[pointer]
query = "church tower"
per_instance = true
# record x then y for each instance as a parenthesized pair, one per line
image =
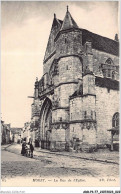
(68, 43)
(69, 110)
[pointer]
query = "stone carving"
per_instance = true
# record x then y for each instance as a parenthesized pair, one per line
(65, 125)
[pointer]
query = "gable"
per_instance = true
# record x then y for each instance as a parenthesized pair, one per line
(56, 25)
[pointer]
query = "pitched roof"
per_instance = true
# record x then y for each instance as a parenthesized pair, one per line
(101, 82)
(107, 83)
(56, 22)
(68, 22)
(56, 25)
(98, 42)
(101, 43)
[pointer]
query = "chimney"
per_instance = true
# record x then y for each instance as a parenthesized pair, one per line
(116, 37)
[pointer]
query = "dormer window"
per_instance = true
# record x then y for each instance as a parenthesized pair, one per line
(108, 68)
(109, 61)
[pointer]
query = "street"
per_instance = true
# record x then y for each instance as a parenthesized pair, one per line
(45, 164)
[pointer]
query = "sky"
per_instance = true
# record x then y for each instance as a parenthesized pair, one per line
(25, 28)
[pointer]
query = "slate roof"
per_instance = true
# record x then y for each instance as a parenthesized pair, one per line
(107, 83)
(98, 42)
(76, 93)
(101, 43)
(68, 22)
(56, 22)
(101, 82)
(60, 21)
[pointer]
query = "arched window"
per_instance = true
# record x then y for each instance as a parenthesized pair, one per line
(108, 72)
(115, 120)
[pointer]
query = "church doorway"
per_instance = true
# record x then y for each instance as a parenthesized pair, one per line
(45, 123)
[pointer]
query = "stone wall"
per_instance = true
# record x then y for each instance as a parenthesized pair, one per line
(89, 106)
(107, 104)
(76, 131)
(76, 109)
(69, 43)
(70, 69)
(47, 64)
(100, 57)
(82, 122)
(89, 84)
(60, 115)
(66, 90)
(89, 138)
(58, 134)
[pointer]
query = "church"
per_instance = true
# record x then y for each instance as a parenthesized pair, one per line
(76, 101)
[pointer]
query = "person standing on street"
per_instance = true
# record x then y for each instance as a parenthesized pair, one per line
(23, 151)
(31, 149)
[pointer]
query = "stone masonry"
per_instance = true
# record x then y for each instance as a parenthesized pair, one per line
(76, 98)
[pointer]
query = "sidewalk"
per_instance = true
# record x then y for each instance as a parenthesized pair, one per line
(100, 156)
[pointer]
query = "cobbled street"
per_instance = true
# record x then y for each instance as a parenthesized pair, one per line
(46, 164)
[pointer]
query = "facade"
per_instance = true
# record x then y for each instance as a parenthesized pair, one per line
(77, 97)
(16, 134)
(5, 133)
(26, 132)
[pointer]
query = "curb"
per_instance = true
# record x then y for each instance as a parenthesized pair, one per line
(61, 154)
(84, 158)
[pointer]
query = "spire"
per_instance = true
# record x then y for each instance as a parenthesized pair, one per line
(56, 22)
(68, 21)
(54, 15)
(67, 8)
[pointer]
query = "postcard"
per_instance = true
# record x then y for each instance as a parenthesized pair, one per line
(60, 94)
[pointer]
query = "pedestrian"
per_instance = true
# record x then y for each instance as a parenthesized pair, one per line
(23, 151)
(31, 149)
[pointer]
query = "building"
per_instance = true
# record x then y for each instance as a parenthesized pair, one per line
(26, 132)
(16, 134)
(76, 101)
(5, 133)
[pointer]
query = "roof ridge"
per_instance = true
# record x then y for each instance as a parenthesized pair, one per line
(97, 34)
